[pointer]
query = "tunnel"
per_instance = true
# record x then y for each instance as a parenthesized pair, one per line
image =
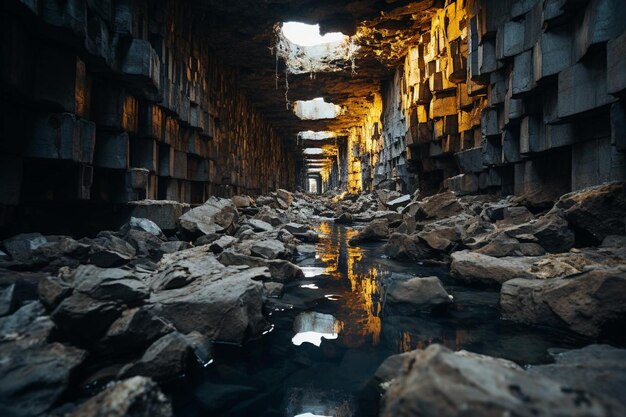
(309, 208)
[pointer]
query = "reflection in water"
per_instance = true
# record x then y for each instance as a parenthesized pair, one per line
(312, 271)
(311, 327)
(308, 402)
(362, 307)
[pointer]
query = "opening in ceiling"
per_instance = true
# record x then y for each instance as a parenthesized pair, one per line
(304, 50)
(316, 109)
(311, 135)
(313, 151)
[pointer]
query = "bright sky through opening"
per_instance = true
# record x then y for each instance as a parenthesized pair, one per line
(309, 35)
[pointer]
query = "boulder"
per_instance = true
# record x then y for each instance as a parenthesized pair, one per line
(599, 369)
(269, 249)
(272, 289)
(21, 247)
(53, 290)
(145, 225)
(146, 244)
(33, 378)
(476, 268)
(280, 270)
(296, 228)
(405, 247)
(416, 294)
(376, 230)
(344, 218)
(137, 397)
(284, 196)
(181, 268)
(221, 244)
(399, 202)
(596, 212)
(260, 226)
(585, 303)
(83, 318)
(439, 383)
(164, 213)
(440, 206)
(216, 215)
(108, 250)
(441, 239)
(242, 201)
(112, 284)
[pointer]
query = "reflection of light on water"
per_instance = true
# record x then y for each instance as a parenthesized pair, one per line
(312, 327)
(312, 271)
(314, 338)
(310, 415)
(310, 286)
(332, 297)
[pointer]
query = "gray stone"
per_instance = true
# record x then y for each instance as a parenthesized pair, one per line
(269, 249)
(405, 247)
(418, 293)
(164, 360)
(222, 244)
(376, 230)
(84, 318)
(214, 216)
(471, 267)
(146, 225)
(111, 284)
(260, 226)
(21, 247)
(163, 213)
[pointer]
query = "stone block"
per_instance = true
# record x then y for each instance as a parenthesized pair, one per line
(552, 53)
(522, 80)
(603, 20)
(596, 161)
(510, 39)
(511, 145)
(151, 121)
(114, 107)
(464, 184)
(470, 160)
(616, 65)
(492, 151)
(141, 64)
(112, 150)
(166, 161)
(489, 122)
(144, 153)
(618, 126)
(443, 106)
(62, 136)
(180, 165)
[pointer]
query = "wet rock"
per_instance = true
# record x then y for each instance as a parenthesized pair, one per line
(33, 378)
(439, 382)
(221, 244)
(163, 213)
(272, 289)
(165, 359)
(260, 226)
(21, 247)
(399, 202)
(441, 239)
(284, 271)
(599, 369)
(269, 249)
(144, 225)
(135, 328)
(84, 318)
(308, 237)
(136, 397)
(584, 303)
(375, 231)
(111, 284)
(108, 250)
(416, 294)
(345, 218)
(405, 247)
(596, 212)
(214, 216)
(476, 268)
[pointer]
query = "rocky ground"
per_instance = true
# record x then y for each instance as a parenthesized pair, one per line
(128, 310)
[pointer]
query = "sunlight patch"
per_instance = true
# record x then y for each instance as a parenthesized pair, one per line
(311, 135)
(316, 109)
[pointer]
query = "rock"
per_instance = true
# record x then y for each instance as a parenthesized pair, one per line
(284, 271)
(84, 318)
(614, 241)
(438, 382)
(269, 249)
(514, 215)
(174, 246)
(109, 251)
(137, 397)
(344, 218)
(241, 201)
(399, 202)
(552, 233)
(212, 237)
(33, 378)
(230, 257)
(4, 257)
(146, 244)
(222, 244)
(112, 284)
(599, 369)
(296, 228)
(164, 360)
(163, 213)
(375, 231)
(475, 268)
(503, 245)
(21, 247)
(260, 226)
(441, 239)
(216, 215)
(596, 212)
(53, 290)
(272, 290)
(440, 206)
(28, 325)
(181, 268)
(285, 196)
(416, 294)
(145, 225)
(405, 247)
(136, 328)
(584, 303)
(308, 237)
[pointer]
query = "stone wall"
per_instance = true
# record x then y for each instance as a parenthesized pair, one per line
(523, 97)
(115, 101)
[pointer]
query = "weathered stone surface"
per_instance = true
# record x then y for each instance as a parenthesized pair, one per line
(84, 318)
(112, 284)
(21, 247)
(583, 303)
(438, 382)
(476, 268)
(440, 206)
(269, 249)
(416, 294)
(259, 225)
(399, 202)
(53, 290)
(344, 218)
(222, 244)
(597, 211)
(146, 225)
(405, 247)
(375, 231)
(214, 216)
(137, 397)
(108, 250)
(164, 213)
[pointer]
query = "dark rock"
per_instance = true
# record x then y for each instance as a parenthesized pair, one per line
(174, 246)
(259, 226)
(440, 206)
(136, 397)
(28, 325)
(222, 244)
(269, 249)
(438, 382)
(596, 212)
(398, 202)
(296, 228)
(111, 284)
(207, 239)
(406, 248)
(214, 216)
(475, 268)
(53, 290)
(144, 225)
(344, 218)
(146, 244)
(583, 303)
(272, 290)
(21, 247)
(416, 294)
(109, 251)
(163, 213)
(84, 318)
(377, 230)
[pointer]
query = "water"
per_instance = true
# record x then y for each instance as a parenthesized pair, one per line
(331, 331)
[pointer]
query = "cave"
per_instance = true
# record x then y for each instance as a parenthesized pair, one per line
(308, 208)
